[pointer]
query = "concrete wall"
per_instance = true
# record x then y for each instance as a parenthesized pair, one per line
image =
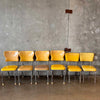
(42, 25)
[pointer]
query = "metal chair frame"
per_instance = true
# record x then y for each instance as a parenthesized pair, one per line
(19, 82)
(63, 73)
(14, 72)
(74, 72)
(89, 73)
(37, 71)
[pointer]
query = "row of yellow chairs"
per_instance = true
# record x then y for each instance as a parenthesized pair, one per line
(56, 55)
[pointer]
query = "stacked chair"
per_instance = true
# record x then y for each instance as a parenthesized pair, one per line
(46, 57)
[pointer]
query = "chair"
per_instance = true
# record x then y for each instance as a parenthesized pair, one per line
(88, 57)
(73, 57)
(42, 56)
(57, 55)
(26, 56)
(10, 56)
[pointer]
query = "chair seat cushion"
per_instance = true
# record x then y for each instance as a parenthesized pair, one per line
(57, 67)
(88, 68)
(25, 68)
(9, 68)
(41, 67)
(74, 68)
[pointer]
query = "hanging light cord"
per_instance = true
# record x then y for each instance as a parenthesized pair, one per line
(68, 5)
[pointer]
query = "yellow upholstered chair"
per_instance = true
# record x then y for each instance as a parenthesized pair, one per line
(10, 56)
(88, 57)
(26, 56)
(42, 56)
(73, 57)
(57, 55)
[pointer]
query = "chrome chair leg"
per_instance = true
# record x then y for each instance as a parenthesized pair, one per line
(18, 78)
(31, 77)
(80, 78)
(47, 77)
(15, 78)
(83, 77)
(69, 77)
(22, 74)
(64, 72)
(8, 75)
(94, 77)
(2, 79)
(38, 74)
(51, 77)
(61, 73)
(35, 78)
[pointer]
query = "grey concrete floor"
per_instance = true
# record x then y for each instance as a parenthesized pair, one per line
(58, 91)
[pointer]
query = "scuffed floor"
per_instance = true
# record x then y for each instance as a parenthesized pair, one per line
(58, 91)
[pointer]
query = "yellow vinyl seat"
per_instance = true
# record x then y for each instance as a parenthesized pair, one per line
(25, 68)
(74, 68)
(9, 68)
(73, 57)
(10, 56)
(88, 57)
(41, 67)
(88, 68)
(58, 55)
(26, 56)
(57, 67)
(42, 56)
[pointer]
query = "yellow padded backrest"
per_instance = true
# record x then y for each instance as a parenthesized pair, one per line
(72, 57)
(86, 56)
(57, 55)
(11, 55)
(26, 55)
(42, 55)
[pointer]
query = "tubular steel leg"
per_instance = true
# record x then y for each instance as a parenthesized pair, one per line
(94, 77)
(61, 73)
(38, 74)
(31, 76)
(80, 78)
(69, 77)
(35, 78)
(19, 78)
(8, 75)
(83, 77)
(51, 77)
(22, 74)
(47, 77)
(64, 72)
(2, 78)
(15, 78)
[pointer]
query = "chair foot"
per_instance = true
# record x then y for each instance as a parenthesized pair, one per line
(19, 84)
(64, 83)
(35, 83)
(47, 83)
(52, 83)
(14, 83)
(3, 84)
